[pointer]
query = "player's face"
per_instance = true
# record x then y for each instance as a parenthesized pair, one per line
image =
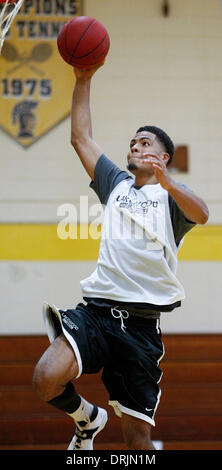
(142, 146)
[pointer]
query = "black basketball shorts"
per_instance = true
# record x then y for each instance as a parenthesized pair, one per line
(127, 348)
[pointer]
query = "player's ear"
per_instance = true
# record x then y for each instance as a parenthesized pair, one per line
(165, 157)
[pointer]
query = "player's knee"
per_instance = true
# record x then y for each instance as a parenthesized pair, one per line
(54, 370)
(43, 382)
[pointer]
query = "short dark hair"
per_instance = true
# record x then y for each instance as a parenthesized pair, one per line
(162, 137)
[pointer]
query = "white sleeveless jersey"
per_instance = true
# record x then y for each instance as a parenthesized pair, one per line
(137, 260)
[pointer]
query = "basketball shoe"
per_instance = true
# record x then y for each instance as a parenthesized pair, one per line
(86, 431)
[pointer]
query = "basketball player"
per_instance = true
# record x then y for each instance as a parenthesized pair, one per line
(118, 327)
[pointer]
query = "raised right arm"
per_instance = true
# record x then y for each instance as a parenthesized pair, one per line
(81, 127)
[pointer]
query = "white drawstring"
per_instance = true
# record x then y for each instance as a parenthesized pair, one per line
(122, 314)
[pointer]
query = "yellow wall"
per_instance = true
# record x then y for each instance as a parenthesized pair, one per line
(41, 243)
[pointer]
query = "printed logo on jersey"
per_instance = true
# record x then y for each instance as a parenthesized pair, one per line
(35, 82)
(135, 206)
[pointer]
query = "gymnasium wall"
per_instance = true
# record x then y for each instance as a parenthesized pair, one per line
(164, 71)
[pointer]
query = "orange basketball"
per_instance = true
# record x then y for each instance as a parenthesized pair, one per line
(83, 42)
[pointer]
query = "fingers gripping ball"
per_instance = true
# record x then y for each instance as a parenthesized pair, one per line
(83, 42)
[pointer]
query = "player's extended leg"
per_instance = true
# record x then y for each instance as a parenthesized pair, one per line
(136, 433)
(52, 383)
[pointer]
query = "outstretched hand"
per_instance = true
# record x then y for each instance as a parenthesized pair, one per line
(86, 73)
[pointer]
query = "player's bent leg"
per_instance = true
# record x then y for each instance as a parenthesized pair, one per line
(136, 433)
(52, 383)
(55, 369)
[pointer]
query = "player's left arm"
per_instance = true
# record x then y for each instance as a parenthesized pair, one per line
(193, 207)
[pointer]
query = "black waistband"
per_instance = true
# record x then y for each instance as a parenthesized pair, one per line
(136, 306)
(132, 310)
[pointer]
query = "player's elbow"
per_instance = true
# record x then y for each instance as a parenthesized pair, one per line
(76, 142)
(78, 139)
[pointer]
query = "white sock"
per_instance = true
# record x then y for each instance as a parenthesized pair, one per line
(84, 411)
